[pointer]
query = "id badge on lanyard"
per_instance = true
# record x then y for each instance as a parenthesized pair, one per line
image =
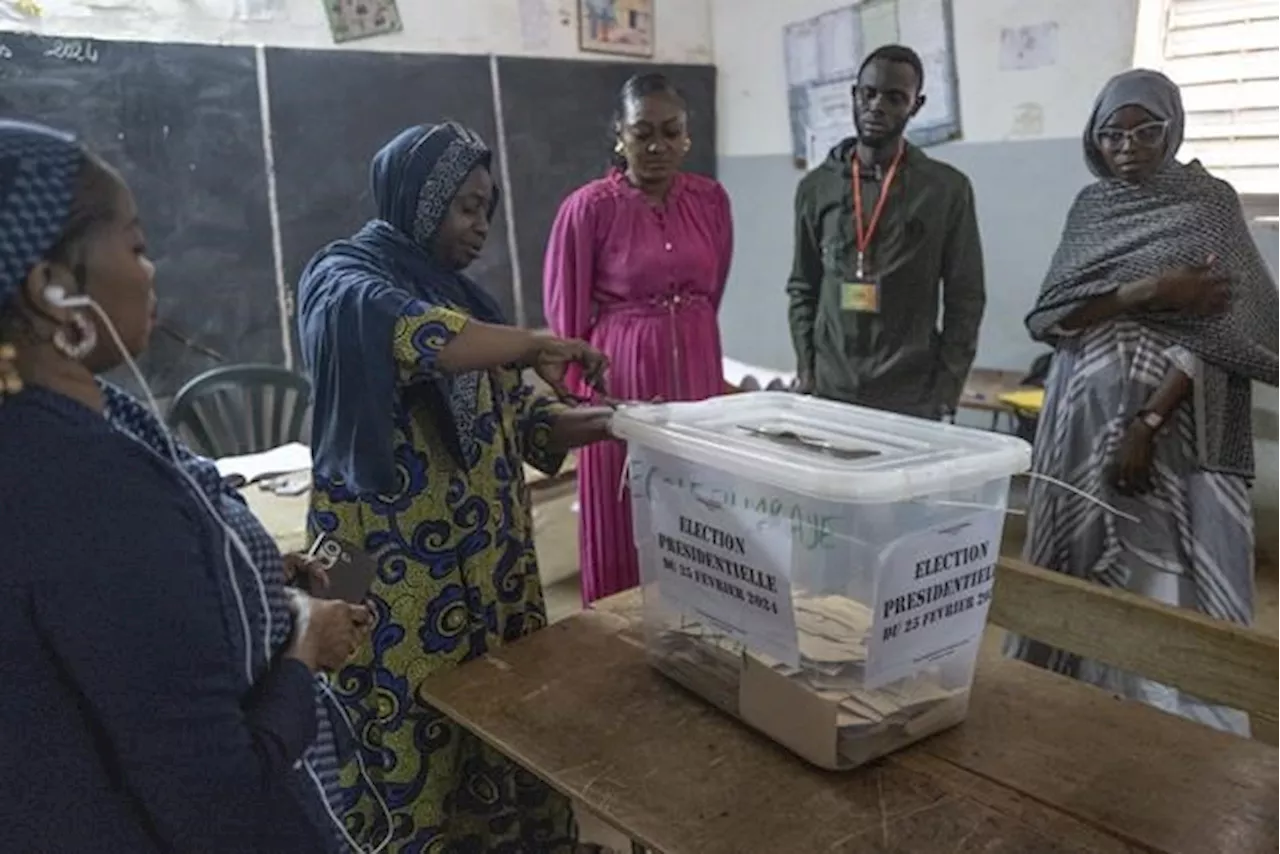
(863, 293)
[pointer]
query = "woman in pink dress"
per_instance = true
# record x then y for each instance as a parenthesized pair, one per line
(636, 264)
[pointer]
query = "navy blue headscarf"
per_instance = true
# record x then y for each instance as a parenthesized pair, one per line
(353, 292)
(38, 169)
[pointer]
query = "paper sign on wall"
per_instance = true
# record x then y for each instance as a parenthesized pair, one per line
(933, 596)
(732, 571)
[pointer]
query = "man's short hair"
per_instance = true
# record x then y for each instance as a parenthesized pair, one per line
(896, 53)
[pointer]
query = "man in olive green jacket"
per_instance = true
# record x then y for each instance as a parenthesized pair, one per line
(876, 259)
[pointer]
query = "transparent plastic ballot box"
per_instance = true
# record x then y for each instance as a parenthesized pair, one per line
(819, 570)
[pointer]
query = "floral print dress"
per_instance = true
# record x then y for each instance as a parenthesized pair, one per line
(457, 578)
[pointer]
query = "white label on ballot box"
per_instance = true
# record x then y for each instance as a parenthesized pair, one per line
(726, 566)
(932, 599)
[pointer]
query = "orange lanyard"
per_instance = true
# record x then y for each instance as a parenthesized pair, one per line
(864, 235)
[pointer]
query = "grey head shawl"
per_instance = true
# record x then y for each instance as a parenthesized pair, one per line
(1119, 232)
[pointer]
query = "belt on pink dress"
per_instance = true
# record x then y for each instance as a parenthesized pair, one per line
(663, 304)
(667, 305)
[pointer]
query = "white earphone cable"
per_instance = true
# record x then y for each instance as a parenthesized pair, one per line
(364, 773)
(231, 539)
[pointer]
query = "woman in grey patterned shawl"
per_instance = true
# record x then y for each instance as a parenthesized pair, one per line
(1162, 314)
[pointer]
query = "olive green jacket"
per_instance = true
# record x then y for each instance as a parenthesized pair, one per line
(927, 258)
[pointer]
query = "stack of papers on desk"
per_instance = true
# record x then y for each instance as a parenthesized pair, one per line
(250, 468)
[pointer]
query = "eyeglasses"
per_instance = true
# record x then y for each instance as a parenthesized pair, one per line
(1146, 135)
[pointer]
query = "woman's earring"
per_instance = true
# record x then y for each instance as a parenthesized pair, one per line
(688, 144)
(76, 339)
(10, 379)
(617, 147)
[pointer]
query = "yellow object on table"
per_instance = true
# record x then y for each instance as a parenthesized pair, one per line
(1027, 400)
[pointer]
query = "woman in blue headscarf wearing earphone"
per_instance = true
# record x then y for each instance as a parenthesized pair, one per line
(422, 423)
(160, 695)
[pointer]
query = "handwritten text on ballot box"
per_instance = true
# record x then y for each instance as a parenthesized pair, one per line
(932, 597)
(719, 562)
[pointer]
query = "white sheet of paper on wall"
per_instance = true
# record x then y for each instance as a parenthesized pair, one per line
(535, 25)
(801, 45)
(922, 24)
(1026, 48)
(839, 43)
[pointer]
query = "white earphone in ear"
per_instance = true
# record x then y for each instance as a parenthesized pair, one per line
(57, 295)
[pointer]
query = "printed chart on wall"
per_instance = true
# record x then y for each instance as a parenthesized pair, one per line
(823, 55)
(721, 565)
(359, 19)
(932, 597)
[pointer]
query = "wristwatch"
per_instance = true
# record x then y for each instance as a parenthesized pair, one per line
(1153, 420)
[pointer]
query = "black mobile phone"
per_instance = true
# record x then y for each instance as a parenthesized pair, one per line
(351, 571)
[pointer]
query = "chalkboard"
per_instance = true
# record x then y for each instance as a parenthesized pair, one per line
(330, 113)
(182, 123)
(558, 114)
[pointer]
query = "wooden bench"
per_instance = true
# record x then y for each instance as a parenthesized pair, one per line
(1215, 661)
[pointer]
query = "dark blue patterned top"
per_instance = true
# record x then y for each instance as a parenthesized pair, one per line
(125, 724)
(128, 415)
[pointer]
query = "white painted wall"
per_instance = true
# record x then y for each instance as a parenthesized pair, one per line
(1095, 39)
(683, 27)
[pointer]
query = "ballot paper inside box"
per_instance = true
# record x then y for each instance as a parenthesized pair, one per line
(818, 570)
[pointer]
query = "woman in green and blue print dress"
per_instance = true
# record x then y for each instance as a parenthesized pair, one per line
(422, 425)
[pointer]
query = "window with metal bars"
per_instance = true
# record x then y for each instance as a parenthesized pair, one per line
(1225, 56)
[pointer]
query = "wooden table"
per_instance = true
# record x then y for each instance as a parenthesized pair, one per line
(285, 516)
(1044, 765)
(983, 388)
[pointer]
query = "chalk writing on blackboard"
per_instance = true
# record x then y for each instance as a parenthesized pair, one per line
(72, 50)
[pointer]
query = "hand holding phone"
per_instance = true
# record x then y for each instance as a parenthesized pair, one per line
(326, 633)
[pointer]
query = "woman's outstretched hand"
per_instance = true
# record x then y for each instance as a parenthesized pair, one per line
(551, 357)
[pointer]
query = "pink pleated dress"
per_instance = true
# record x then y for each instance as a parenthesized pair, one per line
(643, 284)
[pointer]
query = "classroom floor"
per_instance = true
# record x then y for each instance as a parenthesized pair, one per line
(556, 533)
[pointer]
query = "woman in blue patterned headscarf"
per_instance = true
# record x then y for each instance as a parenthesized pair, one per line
(145, 715)
(422, 425)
